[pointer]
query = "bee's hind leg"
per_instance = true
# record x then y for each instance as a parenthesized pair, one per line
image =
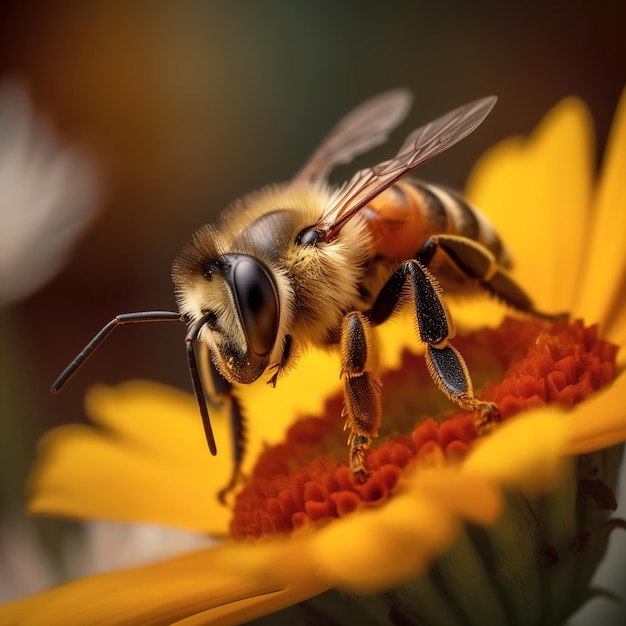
(478, 263)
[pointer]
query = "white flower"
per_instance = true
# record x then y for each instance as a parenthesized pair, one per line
(48, 194)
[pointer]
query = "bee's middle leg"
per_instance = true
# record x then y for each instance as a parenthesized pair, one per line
(362, 389)
(445, 364)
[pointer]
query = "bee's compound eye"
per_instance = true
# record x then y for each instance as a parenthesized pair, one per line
(257, 301)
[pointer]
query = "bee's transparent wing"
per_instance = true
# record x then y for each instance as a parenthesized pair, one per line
(364, 128)
(420, 146)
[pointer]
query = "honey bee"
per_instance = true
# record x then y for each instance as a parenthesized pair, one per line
(308, 263)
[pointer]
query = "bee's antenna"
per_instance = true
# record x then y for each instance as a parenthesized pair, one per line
(89, 349)
(196, 383)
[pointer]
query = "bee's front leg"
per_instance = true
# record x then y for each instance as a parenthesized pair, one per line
(362, 393)
(279, 367)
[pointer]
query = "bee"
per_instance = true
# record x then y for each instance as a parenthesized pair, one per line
(305, 263)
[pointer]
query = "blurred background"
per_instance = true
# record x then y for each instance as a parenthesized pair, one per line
(181, 107)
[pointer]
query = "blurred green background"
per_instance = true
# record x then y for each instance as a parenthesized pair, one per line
(187, 105)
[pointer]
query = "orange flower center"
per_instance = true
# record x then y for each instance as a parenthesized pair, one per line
(306, 480)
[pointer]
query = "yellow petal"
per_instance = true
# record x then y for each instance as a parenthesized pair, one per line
(469, 497)
(377, 550)
(162, 593)
(524, 452)
(537, 193)
(243, 611)
(156, 417)
(154, 442)
(602, 296)
(600, 421)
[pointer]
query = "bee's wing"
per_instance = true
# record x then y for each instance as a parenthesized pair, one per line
(367, 126)
(420, 146)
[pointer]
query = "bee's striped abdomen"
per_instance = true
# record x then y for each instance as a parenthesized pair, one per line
(461, 218)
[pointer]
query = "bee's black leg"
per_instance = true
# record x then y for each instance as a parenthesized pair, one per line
(478, 263)
(445, 364)
(238, 427)
(362, 394)
(219, 390)
(283, 361)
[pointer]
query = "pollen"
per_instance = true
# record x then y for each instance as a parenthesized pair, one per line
(305, 481)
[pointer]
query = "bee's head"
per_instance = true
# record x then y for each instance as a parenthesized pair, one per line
(237, 296)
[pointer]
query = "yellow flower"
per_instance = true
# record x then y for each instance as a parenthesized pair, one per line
(450, 528)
